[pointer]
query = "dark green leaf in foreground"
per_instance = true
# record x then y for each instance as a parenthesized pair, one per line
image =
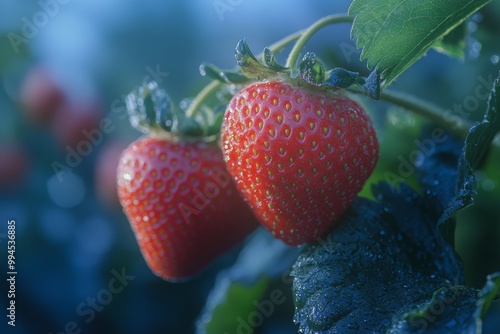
(394, 34)
(450, 310)
(385, 255)
(387, 267)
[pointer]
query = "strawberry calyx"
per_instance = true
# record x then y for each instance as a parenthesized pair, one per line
(151, 110)
(313, 72)
(310, 71)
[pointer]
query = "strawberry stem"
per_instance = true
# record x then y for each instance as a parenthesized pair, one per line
(202, 96)
(216, 85)
(301, 37)
(309, 32)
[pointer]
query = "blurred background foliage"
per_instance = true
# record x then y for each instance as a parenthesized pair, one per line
(65, 67)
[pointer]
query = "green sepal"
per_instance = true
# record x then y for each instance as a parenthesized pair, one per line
(372, 86)
(249, 65)
(212, 71)
(340, 77)
(270, 61)
(311, 70)
(149, 108)
(191, 127)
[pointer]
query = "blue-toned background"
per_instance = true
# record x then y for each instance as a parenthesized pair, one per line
(78, 264)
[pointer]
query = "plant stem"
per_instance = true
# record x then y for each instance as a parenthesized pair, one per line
(215, 85)
(406, 101)
(309, 32)
(460, 126)
(430, 111)
(202, 96)
(301, 37)
(279, 45)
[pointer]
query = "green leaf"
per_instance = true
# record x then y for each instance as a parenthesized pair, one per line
(474, 151)
(453, 44)
(450, 310)
(478, 141)
(390, 263)
(238, 289)
(238, 302)
(384, 256)
(394, 34)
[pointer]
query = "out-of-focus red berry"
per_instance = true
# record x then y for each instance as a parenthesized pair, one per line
(77, 122)
(14, 165)
(40, 96)
(105, 172)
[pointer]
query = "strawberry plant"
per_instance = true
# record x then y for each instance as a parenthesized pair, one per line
(293, 146)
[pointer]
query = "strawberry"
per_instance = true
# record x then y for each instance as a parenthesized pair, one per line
(14, 165)
(182, 205)
(40, 95)
(299, 155)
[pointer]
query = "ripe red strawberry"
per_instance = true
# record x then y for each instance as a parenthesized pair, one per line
(299, 155)
(181, 203)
